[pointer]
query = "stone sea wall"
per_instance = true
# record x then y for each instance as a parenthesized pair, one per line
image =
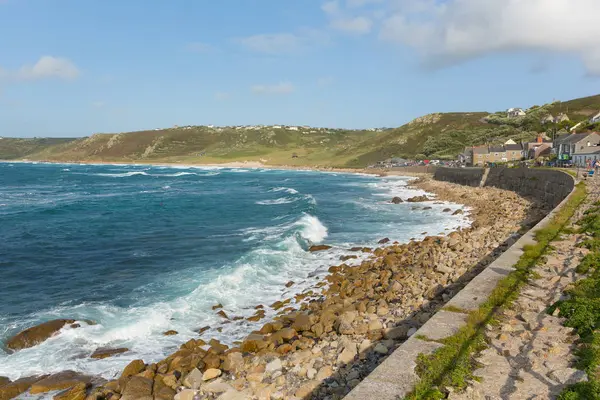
(547, 186)
(462, 176)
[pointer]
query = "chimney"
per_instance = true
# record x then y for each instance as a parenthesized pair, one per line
(540, 140)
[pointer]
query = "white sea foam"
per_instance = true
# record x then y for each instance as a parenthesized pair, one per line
(284, 189)
(282, 200)
(122, 175)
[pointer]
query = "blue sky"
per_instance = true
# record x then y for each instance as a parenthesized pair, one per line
(73, 68)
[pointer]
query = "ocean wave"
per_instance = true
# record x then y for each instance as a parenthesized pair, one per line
(282, 200)
(284, 189)
(122, 175)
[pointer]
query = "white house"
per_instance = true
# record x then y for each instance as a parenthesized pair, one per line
(510, 141)
(595, 118)
(515, 112)
(293, 128)
(276, 126)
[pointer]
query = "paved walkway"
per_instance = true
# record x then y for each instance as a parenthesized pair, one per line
(530, 353)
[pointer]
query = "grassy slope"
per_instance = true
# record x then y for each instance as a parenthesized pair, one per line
(433, 136)
(11, 148)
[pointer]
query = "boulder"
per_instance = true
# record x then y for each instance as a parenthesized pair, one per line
(60, 381)
(194, 379)
(13, 389)
(302, 323)
(384, 241)
(417, 199)
(397, 200)
(133, 368)
(253, 343)
(138, 388)
(105, 352)
(77, 392)
(185, 394)
(320, 247)
(170, 333)
(211, 373)
(36, 334)
(202, 330)
(458, 212)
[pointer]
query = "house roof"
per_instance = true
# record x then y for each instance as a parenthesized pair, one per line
(573, 138)
(592, 150)
(480, 150)
(513, 147)
(497, 149)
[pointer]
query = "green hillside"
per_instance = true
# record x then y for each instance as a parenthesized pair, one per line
(440, 135)
(12, 148)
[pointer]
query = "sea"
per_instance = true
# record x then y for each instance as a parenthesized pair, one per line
(140, 250)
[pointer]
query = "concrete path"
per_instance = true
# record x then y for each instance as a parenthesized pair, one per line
(530, 353)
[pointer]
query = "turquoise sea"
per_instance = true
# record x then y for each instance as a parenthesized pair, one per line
(144, 249)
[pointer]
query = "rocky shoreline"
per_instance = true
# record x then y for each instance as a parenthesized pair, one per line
(341, 330)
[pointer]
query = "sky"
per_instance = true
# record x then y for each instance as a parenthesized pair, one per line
(74, 68)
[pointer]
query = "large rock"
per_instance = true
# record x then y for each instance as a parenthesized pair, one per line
(418, 199)
(17, 387)
(77, 392)
(397, 200)
(36, 334)
(138, 388)
(104, 352)
(320, 247)
(302, 323)
(60, 381)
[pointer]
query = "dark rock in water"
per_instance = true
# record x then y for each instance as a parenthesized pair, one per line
(17, 387)
(105, 352)
(77, 392)
(216, 307)
(384, 241)
(356, 249)
(222, 314)
(60, 381)
(320, 247)
(458, 212)
(427, 208)
(447, 209)
(4, 381)
(202, 330)
(36, 334)
(418, 199)
(290, 284)
(346, 258)
(397, 200)
(170, 333)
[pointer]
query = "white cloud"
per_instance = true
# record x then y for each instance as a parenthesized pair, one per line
(463, 29)
(284, 43)
(280, 88)
(340, 20)
(49, 67)
(354, 25)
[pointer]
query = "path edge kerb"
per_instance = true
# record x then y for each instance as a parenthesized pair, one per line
(395, 377)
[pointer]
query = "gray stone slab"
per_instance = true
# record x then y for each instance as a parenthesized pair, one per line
(395, 377)
(442, 325)
(478, 290)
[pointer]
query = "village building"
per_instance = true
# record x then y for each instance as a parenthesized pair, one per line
(515, 112)
(566, 146)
